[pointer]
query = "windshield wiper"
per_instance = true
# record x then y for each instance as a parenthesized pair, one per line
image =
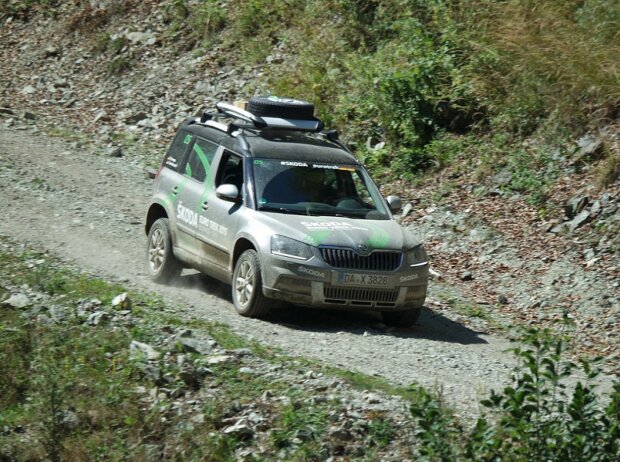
(283, 210)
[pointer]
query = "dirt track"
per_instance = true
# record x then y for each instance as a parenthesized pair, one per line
(88, 209)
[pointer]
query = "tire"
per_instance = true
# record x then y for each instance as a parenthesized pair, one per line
(405, 318)
(281, 107)
(247, 287)
(161, 264)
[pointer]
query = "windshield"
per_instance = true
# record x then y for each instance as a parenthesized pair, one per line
(311, 188)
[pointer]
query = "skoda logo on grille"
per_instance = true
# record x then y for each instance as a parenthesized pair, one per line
(363, 249)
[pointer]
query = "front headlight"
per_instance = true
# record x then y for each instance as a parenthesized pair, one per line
(416, 256)
(285, 246)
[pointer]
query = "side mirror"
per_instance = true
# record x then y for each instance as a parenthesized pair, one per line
(228, 192)
(394, 203)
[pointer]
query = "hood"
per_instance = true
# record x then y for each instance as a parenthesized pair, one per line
(341, 231)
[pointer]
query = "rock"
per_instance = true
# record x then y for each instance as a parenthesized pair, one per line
(219, 359)
(502, 299)
(145, 38)
(70, 420)
(150, 173)
(135, 118)
(596, 209)
(407, 209)
(101, 115)
(6, 111)
(341, 433)
(190, 345)
(51, 51)
(150, 371)
(559, 228)
(466, 276)
(29, 116)
(17, 301)
(28, 90)
(579, 220)
(45, 320)
(241, 352)
(139, 349)
(589, 146)
(116, 152)
(122, 302)
(61, 83)
(97, 318)
(58, 314)
(589, 254)
(502, 178)
(434, 275)
(240, 429)
(190, 377)
(575, 205)
(147, 123)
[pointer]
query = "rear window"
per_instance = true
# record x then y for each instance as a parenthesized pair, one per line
(176, 153)
(200, 160)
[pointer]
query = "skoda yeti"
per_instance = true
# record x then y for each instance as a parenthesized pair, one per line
(264, 200)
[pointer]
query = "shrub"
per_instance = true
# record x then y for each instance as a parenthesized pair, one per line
(537, 417)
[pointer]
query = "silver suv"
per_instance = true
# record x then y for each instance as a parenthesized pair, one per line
(263, 199)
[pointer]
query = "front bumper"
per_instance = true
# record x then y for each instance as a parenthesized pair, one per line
(314, 283)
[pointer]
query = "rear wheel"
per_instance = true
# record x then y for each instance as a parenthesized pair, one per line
(247, 287)
(405, 318)
(161, 264)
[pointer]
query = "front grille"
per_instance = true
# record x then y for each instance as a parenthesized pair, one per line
(359, 295)
(380, 260)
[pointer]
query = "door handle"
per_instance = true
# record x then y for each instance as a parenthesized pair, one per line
(175, 190)
(205, 206)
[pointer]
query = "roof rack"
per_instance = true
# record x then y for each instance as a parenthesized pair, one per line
(252, 121)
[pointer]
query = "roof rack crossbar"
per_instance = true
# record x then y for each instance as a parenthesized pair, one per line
(238, 113)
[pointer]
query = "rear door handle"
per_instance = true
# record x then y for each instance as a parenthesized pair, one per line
(205, 206)
(175, 190)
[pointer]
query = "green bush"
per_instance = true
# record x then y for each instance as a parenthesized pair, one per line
(538, 417)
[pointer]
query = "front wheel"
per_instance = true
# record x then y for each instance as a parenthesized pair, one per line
(161, 263)
(247, 286)
(405, 318)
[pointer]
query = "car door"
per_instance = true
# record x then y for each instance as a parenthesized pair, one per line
(194, 191)
(221, 218)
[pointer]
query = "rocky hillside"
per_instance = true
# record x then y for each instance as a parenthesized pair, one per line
(516, 236)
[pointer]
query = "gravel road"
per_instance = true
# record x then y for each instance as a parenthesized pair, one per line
(88, 209)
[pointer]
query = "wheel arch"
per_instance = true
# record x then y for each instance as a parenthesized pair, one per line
(155, 212)
(241, 246)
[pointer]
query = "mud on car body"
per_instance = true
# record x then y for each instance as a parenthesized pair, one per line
(264, 200)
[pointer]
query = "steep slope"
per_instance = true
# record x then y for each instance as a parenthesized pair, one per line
(116, 78)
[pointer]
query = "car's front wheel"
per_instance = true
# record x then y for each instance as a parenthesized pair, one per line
(404, 318)
(247, 286)
(161, 264)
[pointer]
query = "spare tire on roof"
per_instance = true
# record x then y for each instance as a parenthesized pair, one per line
(286, 108)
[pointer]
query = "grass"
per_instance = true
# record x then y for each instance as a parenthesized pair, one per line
(72, 391)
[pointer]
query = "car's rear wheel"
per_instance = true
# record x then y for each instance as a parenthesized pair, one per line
(247, 286)
(161, 264)
(404, 318)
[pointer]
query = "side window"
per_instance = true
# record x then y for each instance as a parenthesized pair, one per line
(200, 158)
(174, 156)
(361, 189)
(231, 170)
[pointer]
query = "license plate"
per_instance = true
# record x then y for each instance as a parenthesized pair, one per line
(367, 280)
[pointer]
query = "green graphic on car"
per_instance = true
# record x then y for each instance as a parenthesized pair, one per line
(208, 179)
